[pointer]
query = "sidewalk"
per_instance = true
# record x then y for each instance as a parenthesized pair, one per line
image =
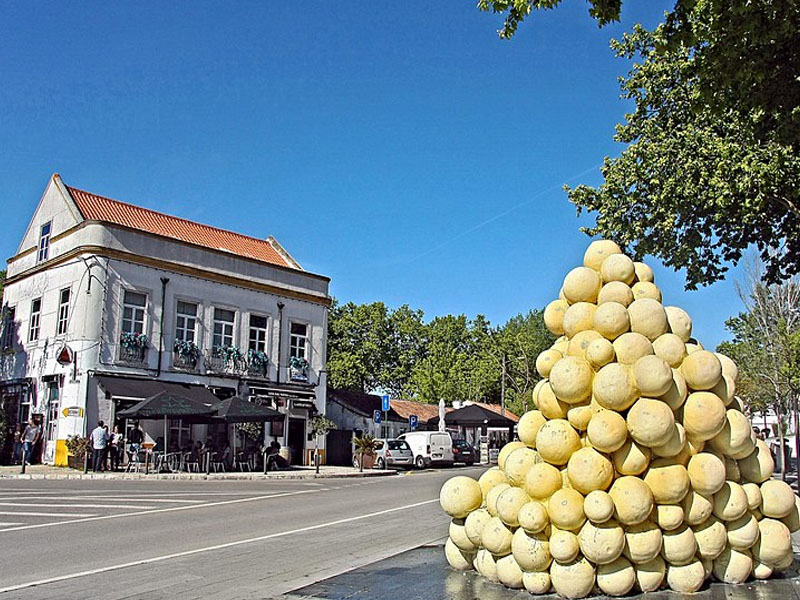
(325, 472)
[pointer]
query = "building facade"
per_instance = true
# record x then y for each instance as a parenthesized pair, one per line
(106, 303)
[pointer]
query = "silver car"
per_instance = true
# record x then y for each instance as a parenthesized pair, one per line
(393, 453)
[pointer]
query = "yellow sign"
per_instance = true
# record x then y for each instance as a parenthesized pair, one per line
(72, 411)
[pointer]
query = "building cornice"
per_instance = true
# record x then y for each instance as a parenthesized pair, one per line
(165, 265)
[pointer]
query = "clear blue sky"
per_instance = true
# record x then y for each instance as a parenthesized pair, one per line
(400, 148)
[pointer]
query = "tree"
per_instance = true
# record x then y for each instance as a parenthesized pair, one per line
(765, 347)
(320, 427)
(711, 164)
(605, 11)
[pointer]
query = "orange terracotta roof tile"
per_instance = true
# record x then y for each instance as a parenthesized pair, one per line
(425, 412)
(100, 208)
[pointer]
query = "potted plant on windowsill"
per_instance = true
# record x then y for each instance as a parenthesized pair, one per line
(365, 452)
(298, 368)
(133, 346)
(258, 362)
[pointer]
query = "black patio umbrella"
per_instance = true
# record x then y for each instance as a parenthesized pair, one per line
(238, 410)
(168, 405)
(474, 415)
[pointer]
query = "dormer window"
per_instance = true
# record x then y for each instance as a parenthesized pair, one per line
(44, 241)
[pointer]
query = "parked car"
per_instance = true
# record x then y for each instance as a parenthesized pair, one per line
(464, 452)
(393, 453)
(430, 447)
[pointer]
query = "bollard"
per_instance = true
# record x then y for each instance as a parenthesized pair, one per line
(208, 463)
(24, 460)
(86, 462)
(265, 462)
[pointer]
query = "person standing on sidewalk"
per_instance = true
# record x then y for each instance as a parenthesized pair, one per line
(117, 445)
(99, 444)
(29, 438)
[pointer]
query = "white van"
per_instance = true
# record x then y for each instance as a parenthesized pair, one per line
(429, 447)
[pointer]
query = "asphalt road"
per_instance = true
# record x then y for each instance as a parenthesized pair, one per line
(202, 539)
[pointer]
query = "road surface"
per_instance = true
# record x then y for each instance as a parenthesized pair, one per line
(115, 540)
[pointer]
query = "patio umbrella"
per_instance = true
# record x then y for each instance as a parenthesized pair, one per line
(237, 410)
(168, 405)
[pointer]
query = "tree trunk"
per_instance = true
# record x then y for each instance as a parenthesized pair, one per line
(796, 442)
(781, 439)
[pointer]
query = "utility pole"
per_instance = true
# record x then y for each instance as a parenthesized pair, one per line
(503, 389)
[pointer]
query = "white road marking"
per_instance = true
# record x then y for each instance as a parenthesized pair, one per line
(155, 511)
(261, 538)
(125, 498)
(39, 514)
(9, 524)
(92, 505)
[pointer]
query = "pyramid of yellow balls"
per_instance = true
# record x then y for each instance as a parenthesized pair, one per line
(637, 471)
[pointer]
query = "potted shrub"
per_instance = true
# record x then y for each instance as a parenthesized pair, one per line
(365, 452)
(77, 446)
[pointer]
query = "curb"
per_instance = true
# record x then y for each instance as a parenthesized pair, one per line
(196, 476)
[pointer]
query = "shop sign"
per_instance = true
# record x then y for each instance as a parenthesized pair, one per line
(72, 411)
(306, 404)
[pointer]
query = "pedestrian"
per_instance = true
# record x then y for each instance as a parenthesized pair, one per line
(117, 445)
(30, 436)
(99, 445)
(17, 457)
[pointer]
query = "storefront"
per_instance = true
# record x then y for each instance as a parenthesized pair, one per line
(293, 433)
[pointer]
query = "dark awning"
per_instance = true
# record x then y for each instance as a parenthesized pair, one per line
(140, 389)
(474, 416)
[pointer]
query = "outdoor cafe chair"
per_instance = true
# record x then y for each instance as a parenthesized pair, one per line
(190, 463)
(217, 464)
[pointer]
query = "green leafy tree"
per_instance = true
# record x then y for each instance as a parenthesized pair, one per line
(710, 165)
(765, 348)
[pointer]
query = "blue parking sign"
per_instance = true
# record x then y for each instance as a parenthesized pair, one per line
(376, 416)
(385, 403)
(413, 421)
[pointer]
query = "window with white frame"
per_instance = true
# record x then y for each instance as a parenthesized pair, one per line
(298, 340)
(133, 309)
(36, 320)
(9, 327)
(44, 241)
(186, 322)
(223, 327)
(63, 312)
(258, 333)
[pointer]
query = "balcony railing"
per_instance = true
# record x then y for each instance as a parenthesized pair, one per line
(225, 360)
(132, 355)
(185, 362)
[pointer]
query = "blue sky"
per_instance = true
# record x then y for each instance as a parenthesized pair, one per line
(400, 148)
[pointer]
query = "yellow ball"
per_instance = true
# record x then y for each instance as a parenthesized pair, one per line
(631, 458)
(678, 546)
(556, 441)
(542, 481)
(599, 353)
(574, 579)
(730, 502)
(617, 267)
(680, 323)
(460, 495)
(565, 508)
(706, 473)
(615, 291)
(564, 545)
(589, 470)
(633, 500)
(531, 551)
(602, 543)
(653, 376)
(650, 422)
(701, 369)
(607, 430)
(711, 537)
(614, 387)
(598, 506)
(668, 481)
(647, 317)
(528, 427)
(671, 348)
(578, 317)
(642, 542)
(703, 415)
(616, 578)
(571, 379)
(546, 360)
(631, 346)
(554, 316)
(597, 252)
(582, 284)
(646, 289)
(532, 517)
(611, 320)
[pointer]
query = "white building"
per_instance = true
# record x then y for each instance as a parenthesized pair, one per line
(106, 303)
